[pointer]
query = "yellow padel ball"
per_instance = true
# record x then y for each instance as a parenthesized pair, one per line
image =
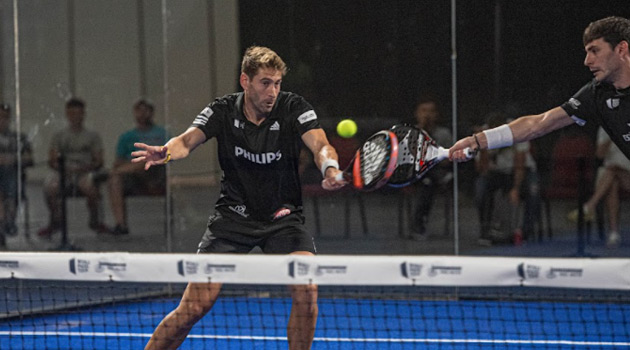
(347, 128)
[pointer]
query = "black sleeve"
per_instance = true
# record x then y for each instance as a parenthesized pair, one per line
(304, 114)
(209, 119)
(581, 107)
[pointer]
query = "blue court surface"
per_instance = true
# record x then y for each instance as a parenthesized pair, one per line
(260, 323)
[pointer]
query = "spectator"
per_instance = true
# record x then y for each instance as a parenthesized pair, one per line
(127, 178)
(613, 176)
(9, 171)
(427, 117)
(512, 171)
(82, 151)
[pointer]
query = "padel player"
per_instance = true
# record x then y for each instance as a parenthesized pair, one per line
(604, 101)
(259, 133)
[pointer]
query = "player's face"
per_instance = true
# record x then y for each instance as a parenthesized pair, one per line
(262, 90)
(602, 60)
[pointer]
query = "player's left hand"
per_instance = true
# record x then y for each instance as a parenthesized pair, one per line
(330, 182)
(151, 155)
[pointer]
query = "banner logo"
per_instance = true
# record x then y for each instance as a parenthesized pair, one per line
(299, 269)
(528, 271)
(187, 268)
(445, 270)
(410, 270)
(564, 272)
(79, 266)
(211, 269)
(110, 266)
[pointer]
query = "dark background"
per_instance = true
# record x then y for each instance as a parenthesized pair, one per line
(370, 60)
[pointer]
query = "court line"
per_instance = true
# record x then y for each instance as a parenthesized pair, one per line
(328, 339)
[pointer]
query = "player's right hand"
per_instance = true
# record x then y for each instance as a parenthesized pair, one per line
(457, 153)
(151, 155)
(330, 182)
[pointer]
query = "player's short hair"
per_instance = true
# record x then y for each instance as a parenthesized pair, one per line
(257, 57)
(75, 102)
(612, 29)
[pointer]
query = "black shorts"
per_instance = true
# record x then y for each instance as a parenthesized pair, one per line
(284, 236)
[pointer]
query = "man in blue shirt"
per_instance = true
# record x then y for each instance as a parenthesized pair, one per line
(129, 178)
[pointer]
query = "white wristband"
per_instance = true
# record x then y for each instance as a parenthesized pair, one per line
(499, 137)
(327, 164)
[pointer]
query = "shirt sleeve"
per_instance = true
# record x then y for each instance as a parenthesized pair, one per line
(209, 119)
(581, 107)
(305, 116)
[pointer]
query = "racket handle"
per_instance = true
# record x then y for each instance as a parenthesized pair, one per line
(442, 153)
(469, 153)
(339, 176)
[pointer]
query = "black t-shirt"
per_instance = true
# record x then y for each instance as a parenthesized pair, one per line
(603, 105)
(259, 162)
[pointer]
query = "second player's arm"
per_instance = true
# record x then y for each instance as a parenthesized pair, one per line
(530, 127)
(525, 128)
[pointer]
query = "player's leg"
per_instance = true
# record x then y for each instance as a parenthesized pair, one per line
(197, 300)
(288, 236)
(303, 317)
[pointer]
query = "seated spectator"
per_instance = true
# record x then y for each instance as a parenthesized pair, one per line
(9, 171)
(612, 177)
(127, 178)
(513, 172)
(82, 151)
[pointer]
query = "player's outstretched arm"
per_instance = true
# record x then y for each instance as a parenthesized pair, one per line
(519, 130)
(325, 157)
(176, 148)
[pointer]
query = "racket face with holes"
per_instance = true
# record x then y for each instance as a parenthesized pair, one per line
(374, 162)
(417, 154)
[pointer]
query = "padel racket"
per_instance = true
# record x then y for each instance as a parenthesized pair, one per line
(374, 162)
(417, 154)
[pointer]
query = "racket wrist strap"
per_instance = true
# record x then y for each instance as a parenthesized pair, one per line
(328, 163)
(499, 137)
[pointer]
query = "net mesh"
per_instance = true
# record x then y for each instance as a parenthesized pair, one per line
(112, 313)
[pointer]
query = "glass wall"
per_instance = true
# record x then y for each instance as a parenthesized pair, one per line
(465, 64)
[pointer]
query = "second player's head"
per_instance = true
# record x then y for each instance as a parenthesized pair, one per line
(612, 30)
(606, 42)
